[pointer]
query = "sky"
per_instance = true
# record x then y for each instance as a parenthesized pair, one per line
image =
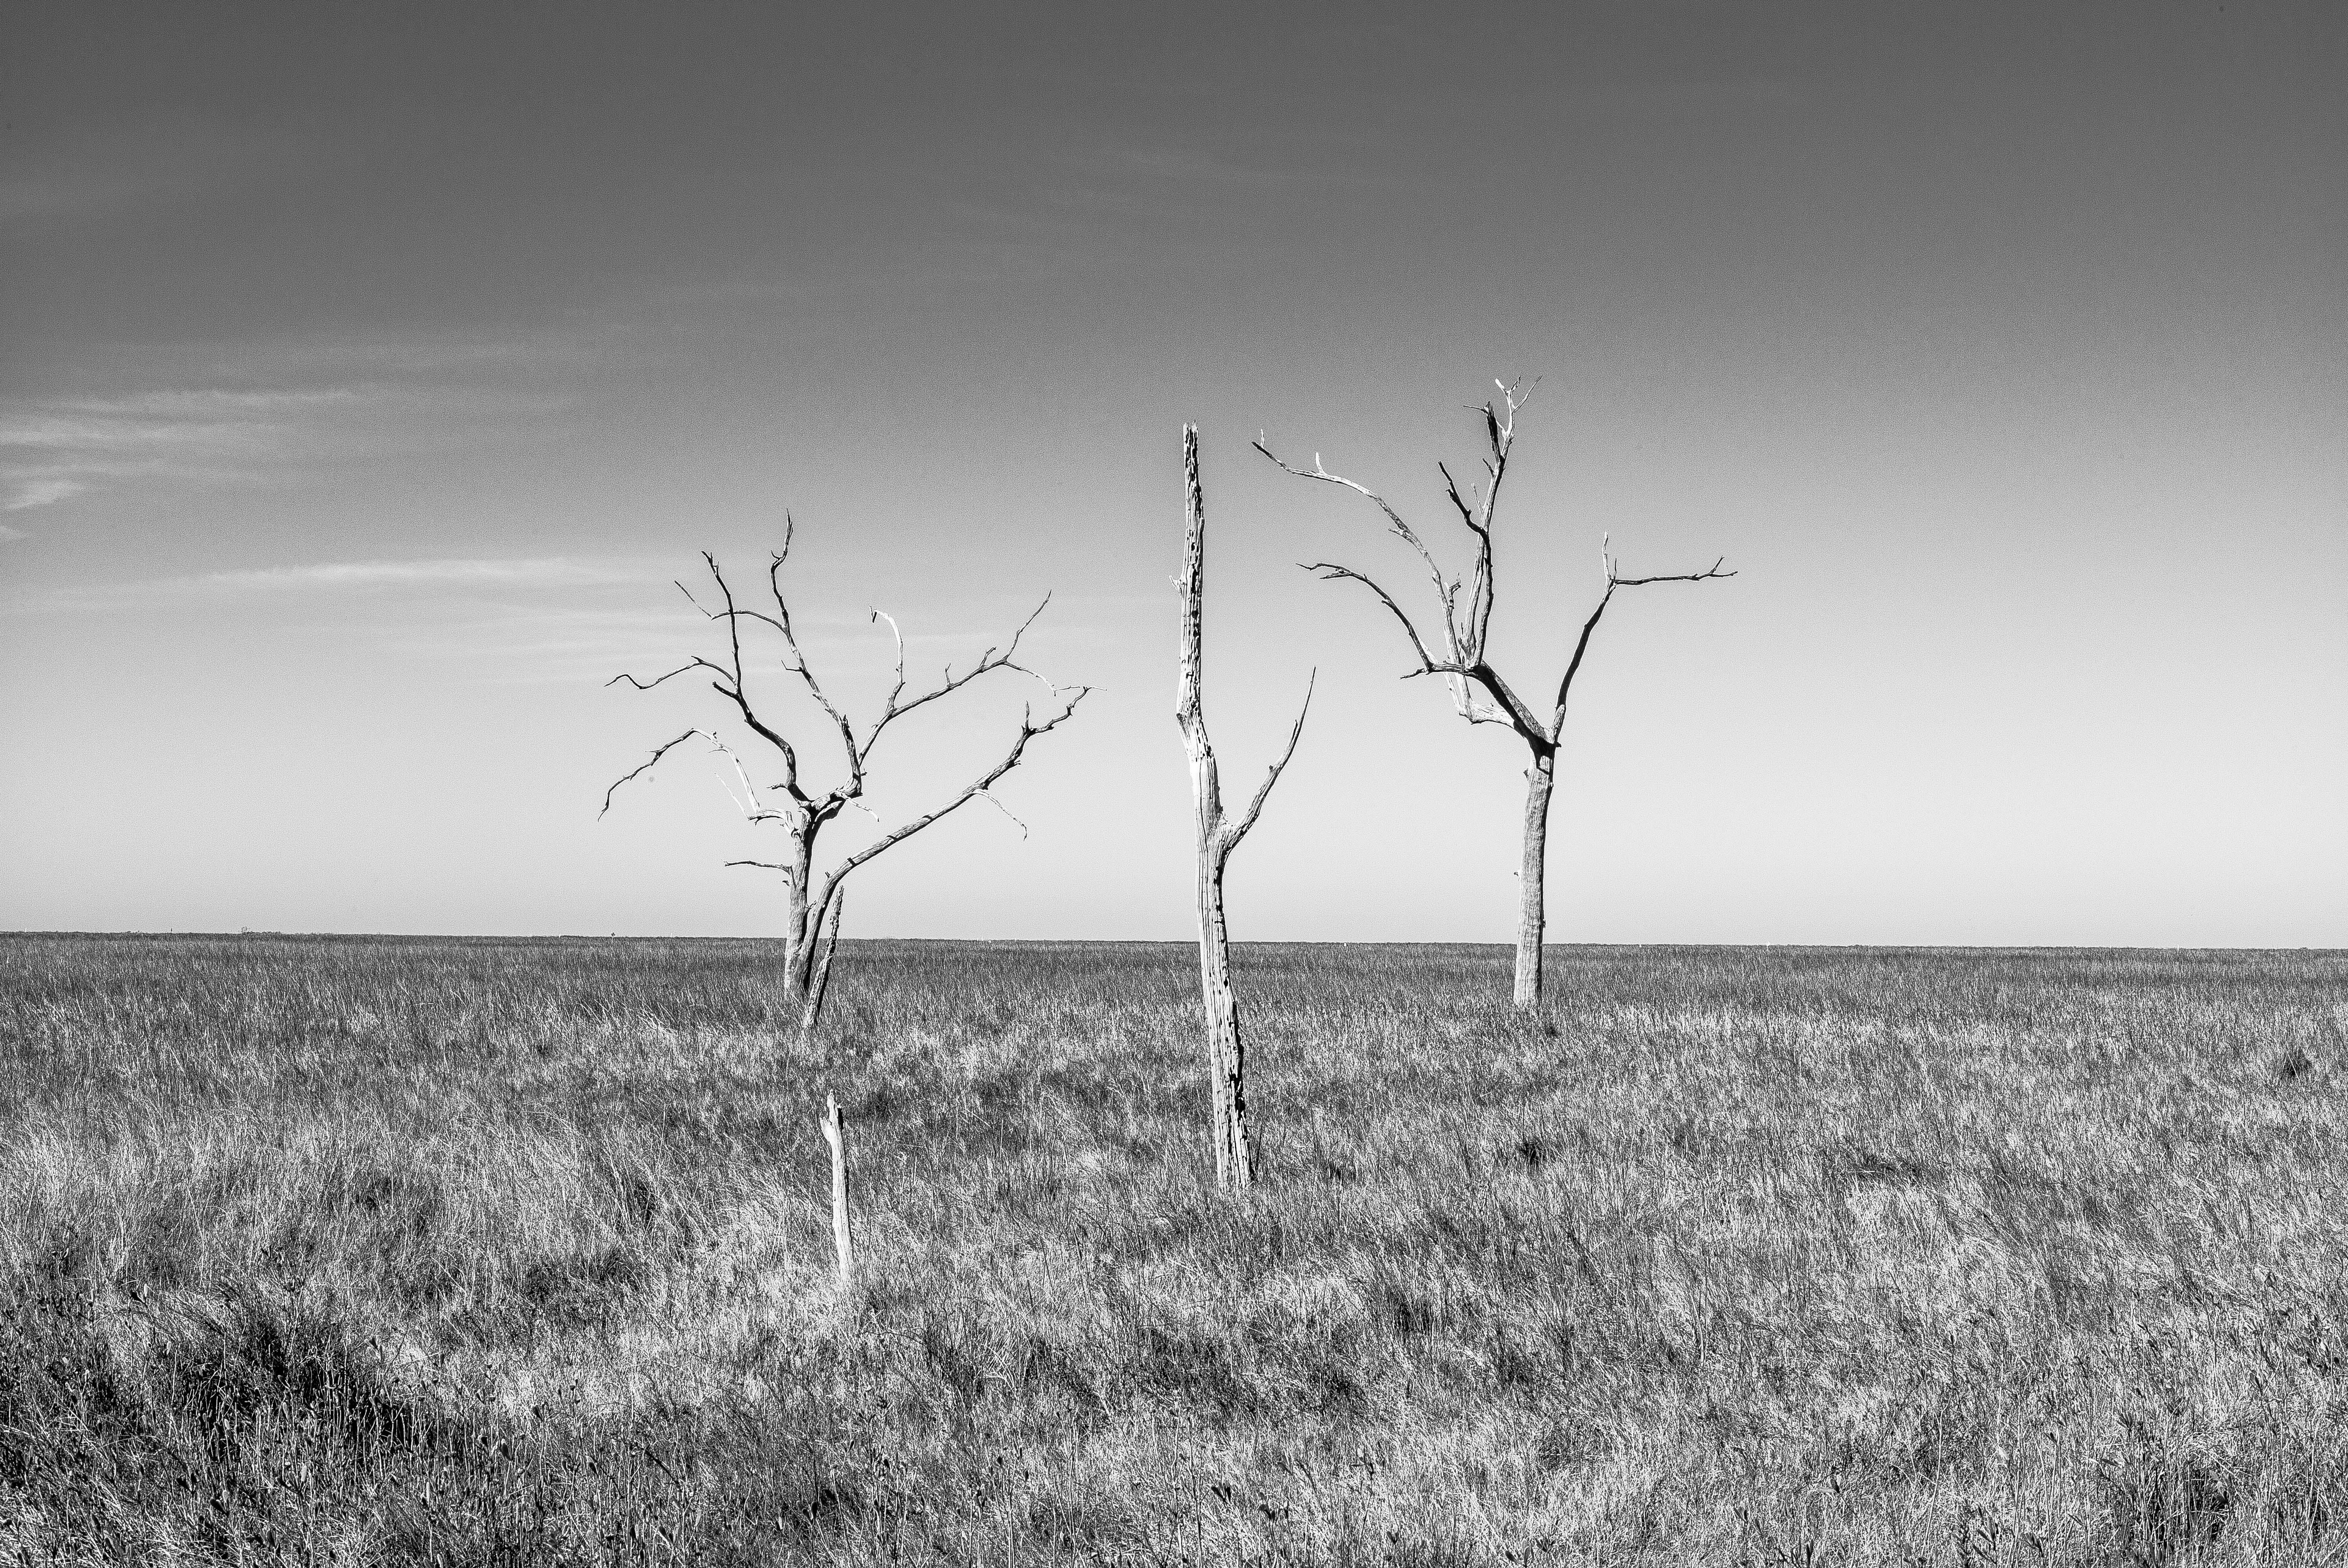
(368, 375)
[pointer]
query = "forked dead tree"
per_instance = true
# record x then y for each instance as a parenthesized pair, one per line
(814, 898)
(1458, 653)
(1218, 836)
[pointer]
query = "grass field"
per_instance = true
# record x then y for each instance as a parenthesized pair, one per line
(486, 1251)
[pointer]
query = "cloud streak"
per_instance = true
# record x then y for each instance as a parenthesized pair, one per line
(455, 573)
(27, 490)
(55, 449)
(66, 447)
(552, 571)
(548, 571)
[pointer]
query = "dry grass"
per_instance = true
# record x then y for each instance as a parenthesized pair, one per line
(372, 1251)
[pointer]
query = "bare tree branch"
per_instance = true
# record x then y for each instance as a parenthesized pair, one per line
(896, 635)
(1444, 589)
(751, 811)
(1581, 647)
(644, 767)
(1234, 832)
(731, 685)
(798, 664)
(1501, 430)
(1707, 575)
(988, 662)
(1029, 731)
(1331, 572)
(729, 614)
(1614, 581)
(686, 668)
(1467, 514)
(1011, 817)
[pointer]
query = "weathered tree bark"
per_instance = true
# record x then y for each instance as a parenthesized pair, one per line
(798, 939)
(835, 1133)
(1216, 838)
(1458, 655)
(813, 900)
(1532, 913)
(810, 937)
(1226, 1052)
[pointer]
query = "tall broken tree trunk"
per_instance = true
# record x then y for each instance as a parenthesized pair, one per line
(1216, 838)
(1226, 1052)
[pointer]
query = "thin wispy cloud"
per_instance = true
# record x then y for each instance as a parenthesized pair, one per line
(59, 448)
(461, 573)
(62, 447)
(549, 571)
(210, 402)
(552, 572)
(27, 490)
(66, 433)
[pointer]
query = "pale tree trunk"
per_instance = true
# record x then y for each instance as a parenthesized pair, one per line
(826, 944)
(1226, 1060)
(1532, 912)
(1216, 838)
(809, 938)
(1226, 1054)
(835, 1133)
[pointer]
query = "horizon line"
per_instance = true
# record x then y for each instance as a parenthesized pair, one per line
(1501, 946)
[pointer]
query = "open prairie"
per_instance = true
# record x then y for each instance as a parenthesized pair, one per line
(369, 1250)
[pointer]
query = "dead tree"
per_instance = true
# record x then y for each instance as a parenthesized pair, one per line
(814, 898)
(1217, 837)
(1478, 689)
